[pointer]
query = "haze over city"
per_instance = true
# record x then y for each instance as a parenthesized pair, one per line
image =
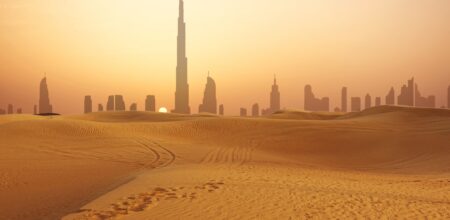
(344, 110)
(117, 47)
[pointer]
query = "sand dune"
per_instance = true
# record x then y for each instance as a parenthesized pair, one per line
(385, 162)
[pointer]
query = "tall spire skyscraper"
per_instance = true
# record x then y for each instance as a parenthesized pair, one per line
(274, 99)
(182, 87)
(44, 101)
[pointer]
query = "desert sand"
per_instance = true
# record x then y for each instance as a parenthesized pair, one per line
(382, 163)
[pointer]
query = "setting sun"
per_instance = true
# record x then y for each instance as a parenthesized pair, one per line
(163, 110)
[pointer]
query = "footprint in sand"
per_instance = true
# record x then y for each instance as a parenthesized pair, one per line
(143, 201)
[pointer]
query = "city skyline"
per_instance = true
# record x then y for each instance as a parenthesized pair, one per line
(141, 77)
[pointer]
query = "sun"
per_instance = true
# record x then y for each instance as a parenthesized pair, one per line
(163, 110)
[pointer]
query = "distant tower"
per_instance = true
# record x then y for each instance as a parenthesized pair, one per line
(100, 107)
(356, 104)
(243, 112)
(344, 99)
(274, 99)
(209, 104)
(448, 97)
(390, 98)
(150, 103)
(182, 86)
(133, 107)
(120, 103)
(110, 104)
(406, 96)
(425, 102)
(87, 104)
(378, 101)
(315, 104)
(44, 100)
(255, 110)
(368, 102)
(221, 110)
(10, 109)
(19, 111)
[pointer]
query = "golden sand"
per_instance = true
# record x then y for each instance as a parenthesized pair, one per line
(382, 163)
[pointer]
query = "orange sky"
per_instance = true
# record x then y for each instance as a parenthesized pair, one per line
(103, 47)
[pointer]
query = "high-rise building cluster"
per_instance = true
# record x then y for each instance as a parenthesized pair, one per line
(10, 110)
(116, 103)
(315, 104)
(409, 94)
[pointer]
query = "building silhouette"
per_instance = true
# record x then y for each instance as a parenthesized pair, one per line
(87, 104)
(110, 105)
(182, 86)
(150, 103)
(133, 107)
(356, 104)
(10, 109)
(378, 101)
(344, 99)
(314, 104)
(221, 110)
(274, 99)
(100, 108)
(2, 111)
(209, 104)
(243, 112)
(406, 96)
(119, 103)
(448, 97)
(44, 100)
(425, 102)
(390, 98)
(337, 109)
(368, 101)
(35, 110)
(19, 111)
(255, 110)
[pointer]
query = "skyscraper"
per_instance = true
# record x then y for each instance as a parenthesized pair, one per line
(87, 104)
(425, 102)
(182, 86)
(209, 104)
(110, 104)
(377, 101)
(133, 107)
(100, 107)
(368, 102)
(344, 99)
(150, 103)
(255, 110)
(448, 97)
(390, 98)
(119, 103)
(274, 99)
(221, 110)
(44, 100)
(356, 104)
(315, 104)
(406, 96)
(10, 109)
(243, 112)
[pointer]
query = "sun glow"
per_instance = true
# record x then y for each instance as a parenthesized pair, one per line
(163, 110)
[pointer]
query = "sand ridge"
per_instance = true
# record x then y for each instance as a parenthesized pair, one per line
(385, 162)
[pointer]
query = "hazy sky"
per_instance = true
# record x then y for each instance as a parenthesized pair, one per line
(128, 47)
